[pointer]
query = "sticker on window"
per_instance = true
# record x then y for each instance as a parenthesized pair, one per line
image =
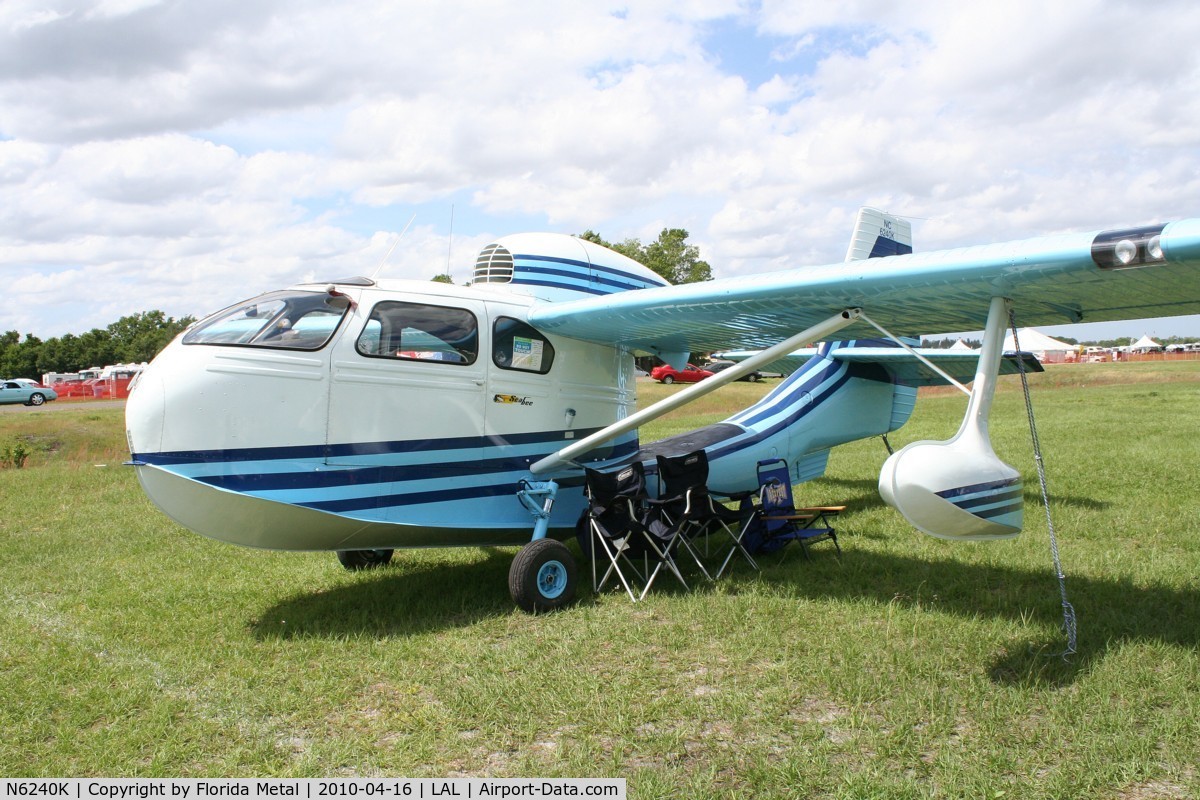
(527, 353)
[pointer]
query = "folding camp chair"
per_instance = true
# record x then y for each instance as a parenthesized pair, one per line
(690, 510)
(616, 517)
(780, 522)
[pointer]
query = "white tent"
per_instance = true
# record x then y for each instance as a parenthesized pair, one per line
(961, 345)
(1144, 345)
(1046, 348)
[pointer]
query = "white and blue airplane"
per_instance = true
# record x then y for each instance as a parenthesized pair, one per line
(362, 416)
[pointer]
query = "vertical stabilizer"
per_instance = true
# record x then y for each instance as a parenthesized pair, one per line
(878, 234)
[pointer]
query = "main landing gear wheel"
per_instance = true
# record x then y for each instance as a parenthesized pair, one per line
(364, 559)
(542, 576)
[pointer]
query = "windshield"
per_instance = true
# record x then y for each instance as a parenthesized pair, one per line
(288, 320)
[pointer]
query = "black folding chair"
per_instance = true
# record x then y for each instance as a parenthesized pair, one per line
(617, 521)
(685, 502)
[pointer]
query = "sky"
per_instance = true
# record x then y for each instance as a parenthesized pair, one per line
(182, 155)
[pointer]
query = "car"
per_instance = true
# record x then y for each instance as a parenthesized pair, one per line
(21, 391)
(718, 366)
(665, 373)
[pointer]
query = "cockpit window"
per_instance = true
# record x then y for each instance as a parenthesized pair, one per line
(420, 332)
(517, 345)
(287, 320)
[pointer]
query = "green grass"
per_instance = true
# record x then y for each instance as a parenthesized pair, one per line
(911, 667)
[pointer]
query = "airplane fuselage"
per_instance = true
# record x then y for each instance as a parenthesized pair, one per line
(361, 415)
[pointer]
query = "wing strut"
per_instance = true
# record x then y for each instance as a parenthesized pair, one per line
(815, 333)
(915, 354)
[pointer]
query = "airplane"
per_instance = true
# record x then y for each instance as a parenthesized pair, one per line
(362, 416)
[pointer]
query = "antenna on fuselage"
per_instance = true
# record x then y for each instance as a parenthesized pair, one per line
(450, 239)
(391, 249)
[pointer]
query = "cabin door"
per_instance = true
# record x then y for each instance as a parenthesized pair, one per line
(406, 401)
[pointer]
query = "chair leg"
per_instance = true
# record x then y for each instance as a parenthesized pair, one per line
(737, 547)
(613, 556)
(664, 560)
(804, 549)
(688, 544)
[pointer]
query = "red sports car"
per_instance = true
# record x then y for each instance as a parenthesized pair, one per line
(668, 374)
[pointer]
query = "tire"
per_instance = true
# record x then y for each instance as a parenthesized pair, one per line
(542, 576)
(668, 379)
(363, 559)
(754, 377)
(36, 399)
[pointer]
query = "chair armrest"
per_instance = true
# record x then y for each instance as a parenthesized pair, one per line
(831, 510)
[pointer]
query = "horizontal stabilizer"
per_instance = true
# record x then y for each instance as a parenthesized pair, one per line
(908, 371)
(904, 367)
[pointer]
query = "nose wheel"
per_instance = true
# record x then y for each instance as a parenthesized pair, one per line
(542, 576)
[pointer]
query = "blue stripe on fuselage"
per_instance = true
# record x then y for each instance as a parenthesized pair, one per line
(808, 380)
(446, 469)
(579, 276)
(632, 280)
(356, 449)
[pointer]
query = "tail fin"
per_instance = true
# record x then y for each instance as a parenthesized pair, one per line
(878, 234)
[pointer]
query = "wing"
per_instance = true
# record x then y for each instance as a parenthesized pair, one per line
(1142, 272)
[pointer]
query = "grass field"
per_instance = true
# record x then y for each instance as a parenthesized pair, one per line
(911, 667)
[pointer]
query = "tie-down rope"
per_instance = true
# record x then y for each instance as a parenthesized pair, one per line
(1068, 609)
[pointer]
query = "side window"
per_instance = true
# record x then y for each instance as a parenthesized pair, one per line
(518, 346)
(419, 332)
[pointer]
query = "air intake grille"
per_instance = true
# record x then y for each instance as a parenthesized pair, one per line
(494, 265)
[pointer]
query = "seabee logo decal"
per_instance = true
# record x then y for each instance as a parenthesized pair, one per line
(511, 399)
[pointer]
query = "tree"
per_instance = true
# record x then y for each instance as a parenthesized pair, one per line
(442, 278)
(670, 255)
(18, 359)
(676, 260)
(95, 350)
(58, 355)
(138, 337)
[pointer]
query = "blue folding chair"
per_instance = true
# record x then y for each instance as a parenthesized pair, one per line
(779, 522)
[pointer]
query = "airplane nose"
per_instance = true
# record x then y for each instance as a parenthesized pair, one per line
(145, 413)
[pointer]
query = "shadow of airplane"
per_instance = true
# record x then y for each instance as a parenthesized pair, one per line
(402, 600)
(1110, 610)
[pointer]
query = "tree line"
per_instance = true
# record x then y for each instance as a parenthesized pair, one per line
(131, 339)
